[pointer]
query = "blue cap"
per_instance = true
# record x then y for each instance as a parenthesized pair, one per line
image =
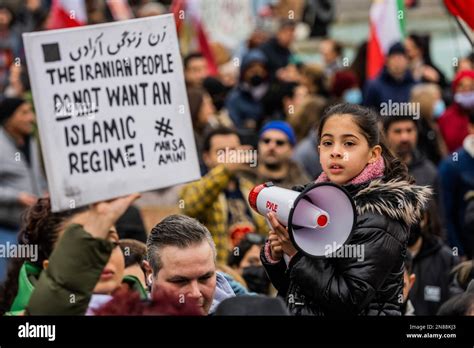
(282, 126)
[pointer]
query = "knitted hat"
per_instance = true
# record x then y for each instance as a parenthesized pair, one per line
(459, 76)
(282, 126)
(8, 107)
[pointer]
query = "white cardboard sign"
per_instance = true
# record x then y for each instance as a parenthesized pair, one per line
(112, 109)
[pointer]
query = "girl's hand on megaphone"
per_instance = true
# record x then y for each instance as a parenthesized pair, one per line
(275, 246)
(282, 233)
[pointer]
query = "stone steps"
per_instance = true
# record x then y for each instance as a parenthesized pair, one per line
(358, 10)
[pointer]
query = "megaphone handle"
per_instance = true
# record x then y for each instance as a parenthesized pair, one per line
(285, 257)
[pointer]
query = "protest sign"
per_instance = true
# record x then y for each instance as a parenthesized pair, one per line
(229, 22)
(112, 109)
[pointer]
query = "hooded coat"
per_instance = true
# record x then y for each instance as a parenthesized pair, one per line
(385, 88)
(432, 266)
(367, 284)
(240, 102)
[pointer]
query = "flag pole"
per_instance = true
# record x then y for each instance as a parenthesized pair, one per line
(464, 31)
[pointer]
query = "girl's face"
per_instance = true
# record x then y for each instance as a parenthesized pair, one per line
(344, 151)
(112, 274)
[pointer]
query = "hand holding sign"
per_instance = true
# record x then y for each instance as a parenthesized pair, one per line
(27, 199)
(101, 217)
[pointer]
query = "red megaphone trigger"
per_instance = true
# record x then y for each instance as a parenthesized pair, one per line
(254, 194)
(322, 220)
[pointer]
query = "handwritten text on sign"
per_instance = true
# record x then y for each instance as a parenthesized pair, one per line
(112, 109)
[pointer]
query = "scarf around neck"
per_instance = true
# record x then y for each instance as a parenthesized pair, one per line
(370, 172)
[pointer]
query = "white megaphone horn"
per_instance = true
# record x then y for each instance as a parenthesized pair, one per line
(320, 219)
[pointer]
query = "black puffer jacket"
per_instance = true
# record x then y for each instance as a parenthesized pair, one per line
(432, 266)
(367, 285)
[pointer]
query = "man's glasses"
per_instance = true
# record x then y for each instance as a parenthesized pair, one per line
(278, 142)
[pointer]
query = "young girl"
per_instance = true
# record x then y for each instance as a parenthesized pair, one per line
(352, 155)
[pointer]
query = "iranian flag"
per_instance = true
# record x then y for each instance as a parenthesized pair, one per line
(387, 26)
(67, 14)
(463, 9)
(120, 9)
(190, 28)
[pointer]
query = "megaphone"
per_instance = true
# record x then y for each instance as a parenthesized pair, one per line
(320, 219)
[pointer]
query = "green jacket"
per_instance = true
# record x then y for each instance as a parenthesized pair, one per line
(65, 287)
(27, 279)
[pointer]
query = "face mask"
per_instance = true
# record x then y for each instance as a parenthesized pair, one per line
(465, 99)
(438, 108)
(256, 80)
(353, 96)
(256, 279)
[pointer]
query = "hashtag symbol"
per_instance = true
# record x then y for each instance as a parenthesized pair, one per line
(163, 127)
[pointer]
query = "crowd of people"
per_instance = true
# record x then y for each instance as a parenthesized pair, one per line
(402, 145)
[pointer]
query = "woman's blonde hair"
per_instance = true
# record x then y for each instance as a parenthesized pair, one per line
(425, 94)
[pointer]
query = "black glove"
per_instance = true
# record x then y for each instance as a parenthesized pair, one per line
(301, 188)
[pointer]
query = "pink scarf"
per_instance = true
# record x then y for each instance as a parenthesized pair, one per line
(371, 171)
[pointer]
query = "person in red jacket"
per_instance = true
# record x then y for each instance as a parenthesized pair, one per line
(453, 123)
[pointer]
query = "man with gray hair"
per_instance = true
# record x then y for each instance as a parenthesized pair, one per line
(181, 259)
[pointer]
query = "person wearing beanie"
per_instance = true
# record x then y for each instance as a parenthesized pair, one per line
(21, 177)
(394, 82)
(245, 101)
(453, 124)
(275, 149)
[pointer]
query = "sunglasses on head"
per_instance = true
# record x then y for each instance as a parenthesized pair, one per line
(278, 142)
